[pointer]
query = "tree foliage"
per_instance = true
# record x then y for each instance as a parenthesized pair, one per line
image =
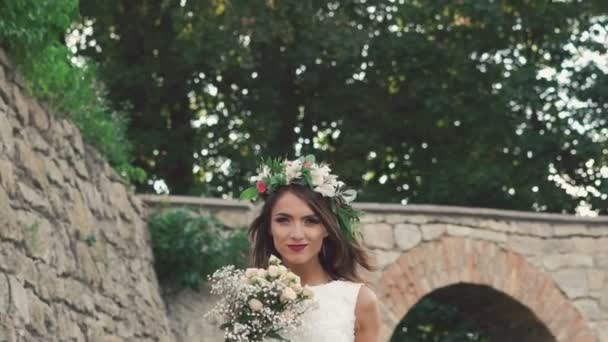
(33, 32)
(476, 103)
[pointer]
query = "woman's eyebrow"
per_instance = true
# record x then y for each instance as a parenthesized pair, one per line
(282, 214)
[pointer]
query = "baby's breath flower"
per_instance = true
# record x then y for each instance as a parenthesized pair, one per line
(249, 303)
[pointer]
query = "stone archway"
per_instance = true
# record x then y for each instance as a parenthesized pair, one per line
(451, 266)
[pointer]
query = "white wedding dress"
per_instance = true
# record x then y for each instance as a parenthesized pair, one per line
(334, 319)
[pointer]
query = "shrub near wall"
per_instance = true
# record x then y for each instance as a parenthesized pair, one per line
(188, 246)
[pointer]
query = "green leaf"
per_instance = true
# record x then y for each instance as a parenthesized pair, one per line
(249, 193)
(276, 336)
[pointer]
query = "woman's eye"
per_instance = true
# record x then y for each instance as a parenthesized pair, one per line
(312, 221)
(281, 220)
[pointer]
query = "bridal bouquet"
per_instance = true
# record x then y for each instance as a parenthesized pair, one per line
(256, 304)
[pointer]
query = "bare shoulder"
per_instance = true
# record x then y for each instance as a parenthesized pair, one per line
(367, 315)
(366, 300)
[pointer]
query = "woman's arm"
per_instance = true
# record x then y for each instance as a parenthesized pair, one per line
(367, 324)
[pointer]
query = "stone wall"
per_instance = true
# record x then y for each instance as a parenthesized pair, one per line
(550, 268)
(75, 257)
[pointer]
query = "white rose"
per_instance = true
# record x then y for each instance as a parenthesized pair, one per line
(326, 190)
(290, 276)
(297, 288)
(273, 271)
(293, 169)
(273, 260)
(262, 273)
(318, 174)
(251, 272)
(255, 305)
(307, 292)
(288, 295)
(259, 281)
(282, 269)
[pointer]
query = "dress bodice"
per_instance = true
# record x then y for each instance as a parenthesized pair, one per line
(333, 320)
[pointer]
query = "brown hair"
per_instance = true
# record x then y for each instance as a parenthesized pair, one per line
(339, 256)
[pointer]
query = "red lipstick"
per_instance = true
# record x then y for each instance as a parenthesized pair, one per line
(297, 247)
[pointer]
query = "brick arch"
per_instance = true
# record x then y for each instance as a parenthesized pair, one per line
(453, 260)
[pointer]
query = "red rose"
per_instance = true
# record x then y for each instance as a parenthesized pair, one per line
(307, 164)
(261, 186)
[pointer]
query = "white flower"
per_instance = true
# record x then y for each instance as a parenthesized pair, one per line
(259, 281)
(318, 173)
(262, 273)
(273, 260)
(307, 292)
(282, 269)
(264, 172)
(273, 271)
(288, 295)
(255, 305)
(326, 189)
(297, 288)
(251, 272)
(290, 276)
(293, 169)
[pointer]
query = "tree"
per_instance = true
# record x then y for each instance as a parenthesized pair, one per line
(444, 102)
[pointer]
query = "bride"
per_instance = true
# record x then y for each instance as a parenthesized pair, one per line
(307, 221)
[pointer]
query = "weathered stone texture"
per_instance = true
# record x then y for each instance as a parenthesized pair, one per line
(55, 203)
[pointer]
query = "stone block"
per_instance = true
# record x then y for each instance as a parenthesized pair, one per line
(371, 218)
(572, 281)
(5, 294)
(379, 235)
(564, 230)
(589, 309)
(601, 260)
(416, 219)
(525, 245)
(19, 299)
(39, 116)
(597, 279)
(554, 262)
(488, 235)
(21, 105)
(458, 230)
(33, 163)
(7, 142)
(407, 236)
(394, 218)
(37, 141)
(34, 199)
(5, 85)
(53, 173)
(385, 258)
(432, 231)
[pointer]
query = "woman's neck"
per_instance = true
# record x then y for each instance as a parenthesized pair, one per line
(311, 273)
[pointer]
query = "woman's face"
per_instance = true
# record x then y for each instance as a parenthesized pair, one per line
(297, 232)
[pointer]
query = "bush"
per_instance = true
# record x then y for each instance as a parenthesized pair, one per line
(188, 247)
(32, 32)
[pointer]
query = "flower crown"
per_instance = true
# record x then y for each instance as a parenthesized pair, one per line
(274, 173)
